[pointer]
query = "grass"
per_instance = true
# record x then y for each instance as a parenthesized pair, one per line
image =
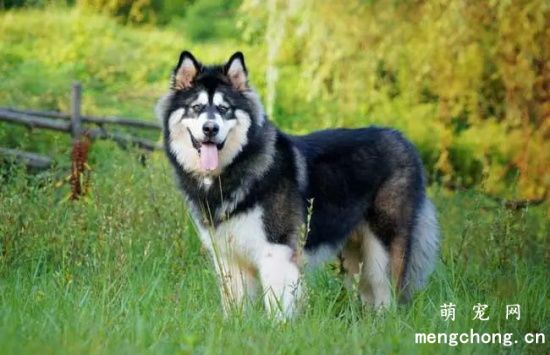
(123, 272)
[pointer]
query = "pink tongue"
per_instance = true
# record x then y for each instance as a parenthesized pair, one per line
(209, 157)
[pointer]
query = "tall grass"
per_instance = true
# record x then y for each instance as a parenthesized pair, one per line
(123, 272)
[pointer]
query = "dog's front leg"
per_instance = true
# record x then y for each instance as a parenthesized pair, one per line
(237, 284)
(280, 277)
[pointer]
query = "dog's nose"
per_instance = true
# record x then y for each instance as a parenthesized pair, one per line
(210, 129)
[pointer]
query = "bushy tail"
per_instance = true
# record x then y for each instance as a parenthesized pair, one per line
(424, 249)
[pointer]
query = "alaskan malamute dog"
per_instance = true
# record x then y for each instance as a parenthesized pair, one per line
(248, 187)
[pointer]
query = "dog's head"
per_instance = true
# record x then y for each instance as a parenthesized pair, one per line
(209, 114)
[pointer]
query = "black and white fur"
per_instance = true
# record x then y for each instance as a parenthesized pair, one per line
(367, 188)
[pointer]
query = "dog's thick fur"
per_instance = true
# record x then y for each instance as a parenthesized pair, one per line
(248, 187)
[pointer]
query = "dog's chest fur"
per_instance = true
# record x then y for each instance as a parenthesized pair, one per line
(241, 238)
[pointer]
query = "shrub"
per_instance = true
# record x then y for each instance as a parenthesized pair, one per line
(467, 81)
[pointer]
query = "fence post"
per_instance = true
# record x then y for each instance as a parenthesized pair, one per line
(79, 153)
(76, 118)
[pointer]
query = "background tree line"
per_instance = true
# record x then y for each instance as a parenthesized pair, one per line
(467, 81)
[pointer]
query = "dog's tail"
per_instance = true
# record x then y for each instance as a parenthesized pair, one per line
(423, 250)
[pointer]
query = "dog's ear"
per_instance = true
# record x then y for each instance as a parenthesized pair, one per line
(185, 72)
(235, 70)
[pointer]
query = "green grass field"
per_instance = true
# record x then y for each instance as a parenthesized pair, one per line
(122, 271)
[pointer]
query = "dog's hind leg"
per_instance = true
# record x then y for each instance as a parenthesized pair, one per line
(351, 258)
(374, 283)
(392, 218)
(398, 248)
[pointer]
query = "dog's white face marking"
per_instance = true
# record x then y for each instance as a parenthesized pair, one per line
(194, 123)
(218, 100)
(202, 99)
(236, 137)
(185, 121)
(180, 142)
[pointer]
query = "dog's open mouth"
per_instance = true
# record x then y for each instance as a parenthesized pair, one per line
(208, 152)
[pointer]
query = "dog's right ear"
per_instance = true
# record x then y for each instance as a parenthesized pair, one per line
(185, 72)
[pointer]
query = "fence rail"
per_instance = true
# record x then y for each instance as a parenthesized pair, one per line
(32, 160)
(124, 140)
(73, 123)
(128, 122)
(33, 121)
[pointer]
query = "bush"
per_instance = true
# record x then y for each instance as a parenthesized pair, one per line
(211, 19)
(9, 4)
(465, 80)
(133, 11)
(203, 19)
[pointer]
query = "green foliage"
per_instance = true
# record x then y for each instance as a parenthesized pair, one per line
(171, 10)
(133, 11)
(212, 19)
(465, 80)
(203, 19)
(8, 4)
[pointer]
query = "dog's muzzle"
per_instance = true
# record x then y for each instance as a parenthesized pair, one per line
(197, 145)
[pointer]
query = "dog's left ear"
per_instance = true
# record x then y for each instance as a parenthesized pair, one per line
(235, 70)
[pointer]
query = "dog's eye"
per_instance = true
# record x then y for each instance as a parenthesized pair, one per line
(197, 108)
(223, 109)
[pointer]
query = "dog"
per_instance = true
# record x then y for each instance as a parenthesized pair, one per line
(251, 188)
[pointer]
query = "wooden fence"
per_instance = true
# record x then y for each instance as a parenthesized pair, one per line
(74, 123)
